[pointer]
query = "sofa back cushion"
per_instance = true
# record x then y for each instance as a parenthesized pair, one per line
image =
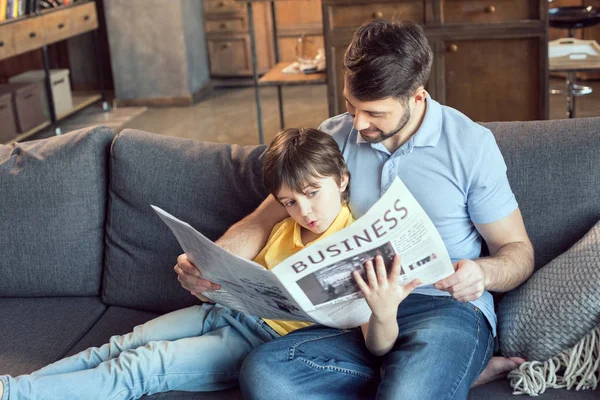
(209, 185)
(52, 212)
(554, 171)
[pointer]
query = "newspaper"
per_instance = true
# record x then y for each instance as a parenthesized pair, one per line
(316, 284)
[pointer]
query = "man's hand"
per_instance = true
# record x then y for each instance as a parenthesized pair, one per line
(467, 283)
(189, 278)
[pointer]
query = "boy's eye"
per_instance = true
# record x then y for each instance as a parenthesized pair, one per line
(312, 193)
(289, 203)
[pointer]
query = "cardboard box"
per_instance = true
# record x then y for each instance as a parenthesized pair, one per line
(27, 105)
(61, 88)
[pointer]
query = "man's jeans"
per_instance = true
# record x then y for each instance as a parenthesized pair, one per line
(442, 347)
(198, 348)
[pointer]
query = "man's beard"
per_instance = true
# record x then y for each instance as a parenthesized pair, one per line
(386, 135)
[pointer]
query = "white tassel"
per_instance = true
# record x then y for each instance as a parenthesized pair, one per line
(577, 367)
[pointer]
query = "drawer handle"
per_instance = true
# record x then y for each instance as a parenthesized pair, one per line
(220, 4)
(490, 9)
(223, 26)
(32, 34)
(225, 46)
(60, 26)
(453, 48)
(86, 17)
(58, 81)
(377, 14)
(1, 43)
(3, 106)
(28, 96)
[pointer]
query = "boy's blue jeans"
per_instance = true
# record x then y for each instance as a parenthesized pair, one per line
(442, 347)
(199, 348)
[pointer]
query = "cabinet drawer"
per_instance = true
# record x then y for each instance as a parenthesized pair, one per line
(226, 25)
(461, 11)
(223, 6)
(57, 25)
(28, 35)
(354, 16)
(229, 56)
(7, 45)
(83, 18)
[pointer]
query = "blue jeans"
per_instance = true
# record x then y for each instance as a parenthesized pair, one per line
(199, 348)
(442, 347)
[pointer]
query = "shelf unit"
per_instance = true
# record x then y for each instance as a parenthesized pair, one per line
(37, 32)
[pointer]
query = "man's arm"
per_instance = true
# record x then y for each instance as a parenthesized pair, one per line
(510, 262)
(246, 238)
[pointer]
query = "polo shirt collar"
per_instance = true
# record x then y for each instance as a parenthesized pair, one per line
(428, 133)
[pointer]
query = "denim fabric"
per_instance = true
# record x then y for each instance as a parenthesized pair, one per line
(442, 347)
(200, 348)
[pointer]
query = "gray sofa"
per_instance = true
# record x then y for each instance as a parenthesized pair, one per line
(84, 257)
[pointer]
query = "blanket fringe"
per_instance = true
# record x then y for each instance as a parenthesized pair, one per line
(577, 367)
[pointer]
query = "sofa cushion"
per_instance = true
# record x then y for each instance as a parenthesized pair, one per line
(37, 331)
(554, 171)
(209, 185)
(557, 306)
(53, 202)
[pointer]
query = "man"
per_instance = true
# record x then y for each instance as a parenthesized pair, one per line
(455, 170)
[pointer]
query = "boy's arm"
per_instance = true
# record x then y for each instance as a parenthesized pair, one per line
(245, 239)
(380, 336)
(384, 295)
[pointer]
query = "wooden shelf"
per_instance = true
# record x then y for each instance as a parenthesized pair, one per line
(80, 101)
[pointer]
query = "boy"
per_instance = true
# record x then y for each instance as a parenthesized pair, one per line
(202, 348)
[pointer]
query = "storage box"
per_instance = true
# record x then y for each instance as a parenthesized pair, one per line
(8, 128)
(61, 88)
(26, 103)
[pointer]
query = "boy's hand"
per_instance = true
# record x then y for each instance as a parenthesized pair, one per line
(189, 278)
(383, 294)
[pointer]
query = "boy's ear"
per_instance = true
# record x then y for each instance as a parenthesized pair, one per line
(344, 182)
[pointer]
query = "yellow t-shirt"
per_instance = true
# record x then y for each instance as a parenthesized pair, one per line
(284, 241)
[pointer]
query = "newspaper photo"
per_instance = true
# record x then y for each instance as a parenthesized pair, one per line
(316, 284)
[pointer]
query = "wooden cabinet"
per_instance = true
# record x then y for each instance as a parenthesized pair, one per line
(7, 43)
(469, 11)
(298, 19)
(490, 57)
(30, 33)
(57, 26)
(228, 38)
(475, 71)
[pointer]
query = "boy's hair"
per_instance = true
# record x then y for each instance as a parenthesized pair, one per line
(387, 59)
(299, 156)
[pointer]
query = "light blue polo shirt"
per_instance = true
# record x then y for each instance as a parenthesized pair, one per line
(451, 165)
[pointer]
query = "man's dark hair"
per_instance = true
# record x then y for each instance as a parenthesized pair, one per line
(387, 59)
(298, 156)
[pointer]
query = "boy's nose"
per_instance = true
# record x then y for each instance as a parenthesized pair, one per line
(305, 209)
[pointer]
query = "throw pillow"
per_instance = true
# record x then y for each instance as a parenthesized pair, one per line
(557, 306)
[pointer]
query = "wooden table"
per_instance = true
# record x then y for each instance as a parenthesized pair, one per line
(274, 77)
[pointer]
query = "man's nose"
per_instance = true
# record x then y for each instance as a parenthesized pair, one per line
(360, 122)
